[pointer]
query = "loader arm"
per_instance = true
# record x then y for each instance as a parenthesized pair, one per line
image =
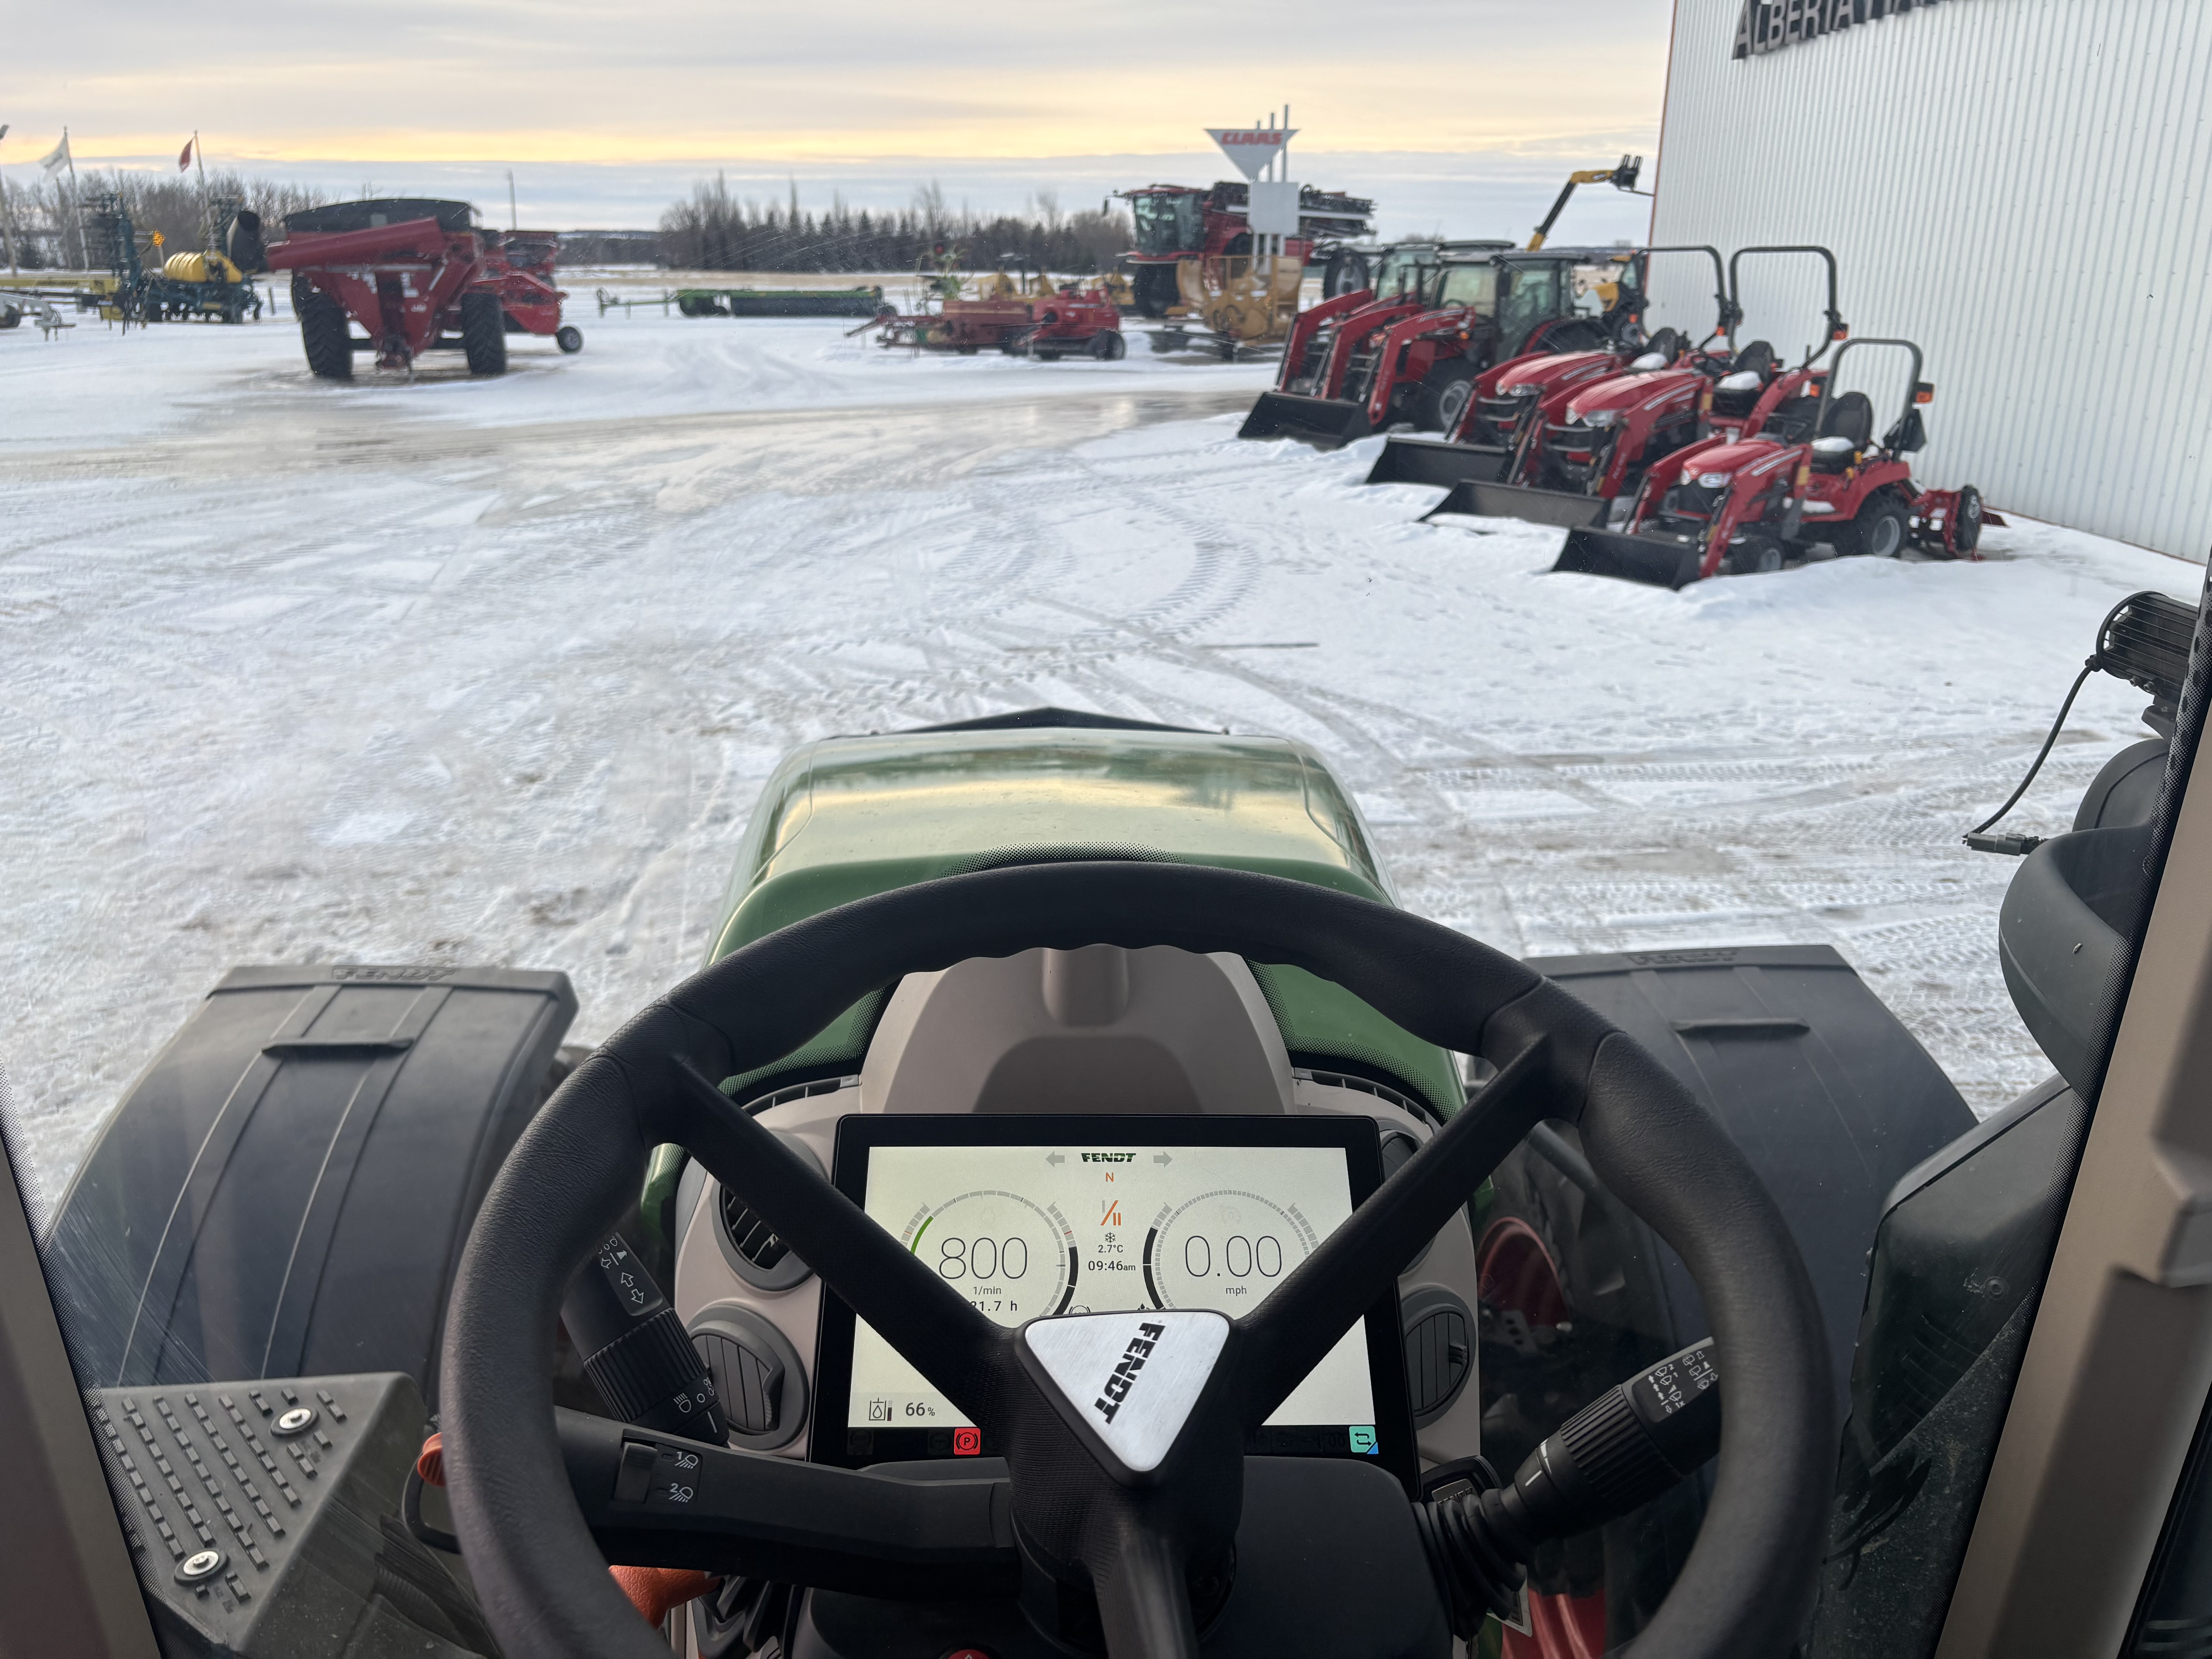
(1402, 334)
(1308, 323)
(1622, 176)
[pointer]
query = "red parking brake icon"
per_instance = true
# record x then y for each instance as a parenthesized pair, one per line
(967, 1443)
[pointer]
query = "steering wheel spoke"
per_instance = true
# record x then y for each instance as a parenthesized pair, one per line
(1288, 1335)
(1144, 1599)
(929, 1323)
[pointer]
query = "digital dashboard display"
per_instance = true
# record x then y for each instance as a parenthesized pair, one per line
(1031, 1218)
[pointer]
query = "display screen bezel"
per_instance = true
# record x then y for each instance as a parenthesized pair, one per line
(860, 1132)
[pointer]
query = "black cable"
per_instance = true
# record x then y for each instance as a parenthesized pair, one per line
(2042, 754)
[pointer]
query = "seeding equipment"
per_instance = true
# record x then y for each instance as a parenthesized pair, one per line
(1176, 222)
(1505, 420)
(1065, 324)
(417, 276)
(1410, 347)
(1797, 468)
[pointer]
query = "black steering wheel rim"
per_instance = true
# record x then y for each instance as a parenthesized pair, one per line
(1748, 1584)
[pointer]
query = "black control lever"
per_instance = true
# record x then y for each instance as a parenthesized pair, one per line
(1614, 1455)
(636, 1351)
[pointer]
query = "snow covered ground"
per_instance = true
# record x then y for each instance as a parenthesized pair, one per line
(492, 671)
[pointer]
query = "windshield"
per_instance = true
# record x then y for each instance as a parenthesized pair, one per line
(1169, 223)
(439, 616)
(1470, 285)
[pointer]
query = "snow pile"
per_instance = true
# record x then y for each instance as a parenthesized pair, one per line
(492, 671)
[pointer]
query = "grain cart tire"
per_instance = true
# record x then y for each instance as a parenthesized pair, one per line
(569, 338)
(1879, 532)
(1108, 347)
(10, 317)
(483, 333)
(322, 331)
(1346, 273)
(1442, 396)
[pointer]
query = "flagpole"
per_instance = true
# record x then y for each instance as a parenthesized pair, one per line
(207, 227)
(70, 156)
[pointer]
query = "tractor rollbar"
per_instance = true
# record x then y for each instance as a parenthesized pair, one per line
(1902, 439)
(1726, 312)
(1838, 330)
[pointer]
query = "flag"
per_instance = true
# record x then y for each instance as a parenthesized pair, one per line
(185, 157)
(57, 158)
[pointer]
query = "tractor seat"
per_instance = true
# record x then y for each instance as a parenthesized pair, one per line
(1738, 392)
(1756, 358)
(1845, 430)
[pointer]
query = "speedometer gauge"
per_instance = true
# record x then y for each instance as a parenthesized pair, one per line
(1224, 1249)
(1011, 1257)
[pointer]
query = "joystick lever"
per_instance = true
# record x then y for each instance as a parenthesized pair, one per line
(1614, 1455)
(636, 1351)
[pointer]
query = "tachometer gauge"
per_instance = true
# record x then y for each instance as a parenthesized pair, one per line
(1010, 1255)
(1224, 1249)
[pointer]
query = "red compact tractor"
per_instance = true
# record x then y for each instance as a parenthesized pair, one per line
(1174, 223)
(417, 276)
(1514, 403)
(1798, 468)
(1411, 349)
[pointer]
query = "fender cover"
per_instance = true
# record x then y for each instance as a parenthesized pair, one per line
(286, 1190)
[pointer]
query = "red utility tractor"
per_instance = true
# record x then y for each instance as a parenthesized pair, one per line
(417, 276)
(1411, 349)
(1070, 323)
(1797, 470)
(1515, 401)
(1174, 223)
(1569, 457)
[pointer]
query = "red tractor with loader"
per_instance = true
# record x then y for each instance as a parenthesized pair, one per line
(1514, 403)
(417, 276)
(1176, 222)
(1411, 349)
(1567, 455)
(1798, 469)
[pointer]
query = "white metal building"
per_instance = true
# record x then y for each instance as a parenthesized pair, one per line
(2022, 186)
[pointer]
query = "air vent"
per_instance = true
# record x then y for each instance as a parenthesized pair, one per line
(1439, 1352)
(750, 1235)
(750, 1384)
(757, 1373)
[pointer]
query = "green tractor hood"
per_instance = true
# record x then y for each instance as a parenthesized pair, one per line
(847, 817)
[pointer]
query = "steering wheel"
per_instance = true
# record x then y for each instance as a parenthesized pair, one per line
(1133, 1504)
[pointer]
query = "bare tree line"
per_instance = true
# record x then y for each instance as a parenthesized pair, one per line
(716, 231)
(43, 223)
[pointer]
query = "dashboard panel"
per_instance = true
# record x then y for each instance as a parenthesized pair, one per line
(1031, 1216)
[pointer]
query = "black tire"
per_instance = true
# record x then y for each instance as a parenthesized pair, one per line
(569, 338)
(483, 333)
(10, 317)
(1108, 347)
(1346, 273)
(1155, 289)
(1759, 556)
(1966, 522)
(1442, 397)
(1880, 530)
(322, 331)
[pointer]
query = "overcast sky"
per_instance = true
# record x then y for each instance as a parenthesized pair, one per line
(605, 111)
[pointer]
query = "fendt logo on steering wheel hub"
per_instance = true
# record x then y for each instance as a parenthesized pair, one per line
(1125, 1374)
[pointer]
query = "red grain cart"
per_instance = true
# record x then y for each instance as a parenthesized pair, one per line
(417, 276)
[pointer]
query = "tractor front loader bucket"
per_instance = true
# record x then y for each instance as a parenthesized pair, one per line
(1433, 461)
(1324, 422)
(1567, 508)
(1659, 561)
